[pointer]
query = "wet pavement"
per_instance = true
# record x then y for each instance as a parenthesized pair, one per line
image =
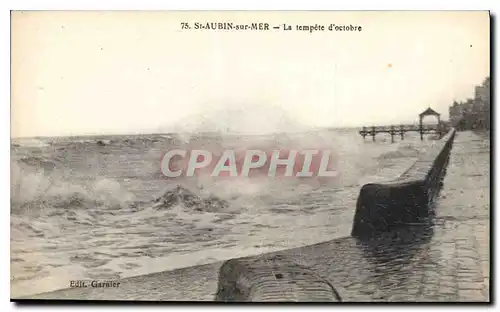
(446, 259)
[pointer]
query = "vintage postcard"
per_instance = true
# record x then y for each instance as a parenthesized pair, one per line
(251, 156)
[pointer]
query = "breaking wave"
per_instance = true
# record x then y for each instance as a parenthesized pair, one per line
(32, 187)
(247, 119)
(29, 142)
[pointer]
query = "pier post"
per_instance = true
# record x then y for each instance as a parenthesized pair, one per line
(421, 129)
(392, 134)
(373, 133)
(401, 132)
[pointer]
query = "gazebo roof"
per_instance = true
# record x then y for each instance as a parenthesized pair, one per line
(429, 112)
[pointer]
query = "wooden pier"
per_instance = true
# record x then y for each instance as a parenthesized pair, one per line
(401, 130)
(439, 128)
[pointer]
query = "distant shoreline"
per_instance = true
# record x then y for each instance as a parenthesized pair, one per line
(177, 133)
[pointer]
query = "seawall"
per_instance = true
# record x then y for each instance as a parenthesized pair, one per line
(382, 208)
(408, 199)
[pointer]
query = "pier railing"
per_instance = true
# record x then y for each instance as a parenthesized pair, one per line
(400, 130)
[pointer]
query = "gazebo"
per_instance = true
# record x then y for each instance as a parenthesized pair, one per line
(429, 112)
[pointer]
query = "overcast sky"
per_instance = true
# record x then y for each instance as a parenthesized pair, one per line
(129, 72)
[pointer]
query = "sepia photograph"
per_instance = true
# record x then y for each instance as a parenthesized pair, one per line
(250, 156)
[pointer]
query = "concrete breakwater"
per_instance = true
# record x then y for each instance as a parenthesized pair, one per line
(381, 208)
(272, 278)
(408, 199)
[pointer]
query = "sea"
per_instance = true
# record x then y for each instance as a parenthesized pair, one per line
(99, 207)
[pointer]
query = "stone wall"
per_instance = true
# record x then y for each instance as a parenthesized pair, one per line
(408, 199)
(381, 208)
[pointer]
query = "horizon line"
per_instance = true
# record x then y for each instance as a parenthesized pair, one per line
(204, 132)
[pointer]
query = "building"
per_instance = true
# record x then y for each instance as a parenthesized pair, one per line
(473, 113)
(482, 101)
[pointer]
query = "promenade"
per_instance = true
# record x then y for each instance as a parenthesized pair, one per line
(445, 260)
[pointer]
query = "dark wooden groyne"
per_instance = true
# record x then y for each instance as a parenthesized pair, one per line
(408, 199)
